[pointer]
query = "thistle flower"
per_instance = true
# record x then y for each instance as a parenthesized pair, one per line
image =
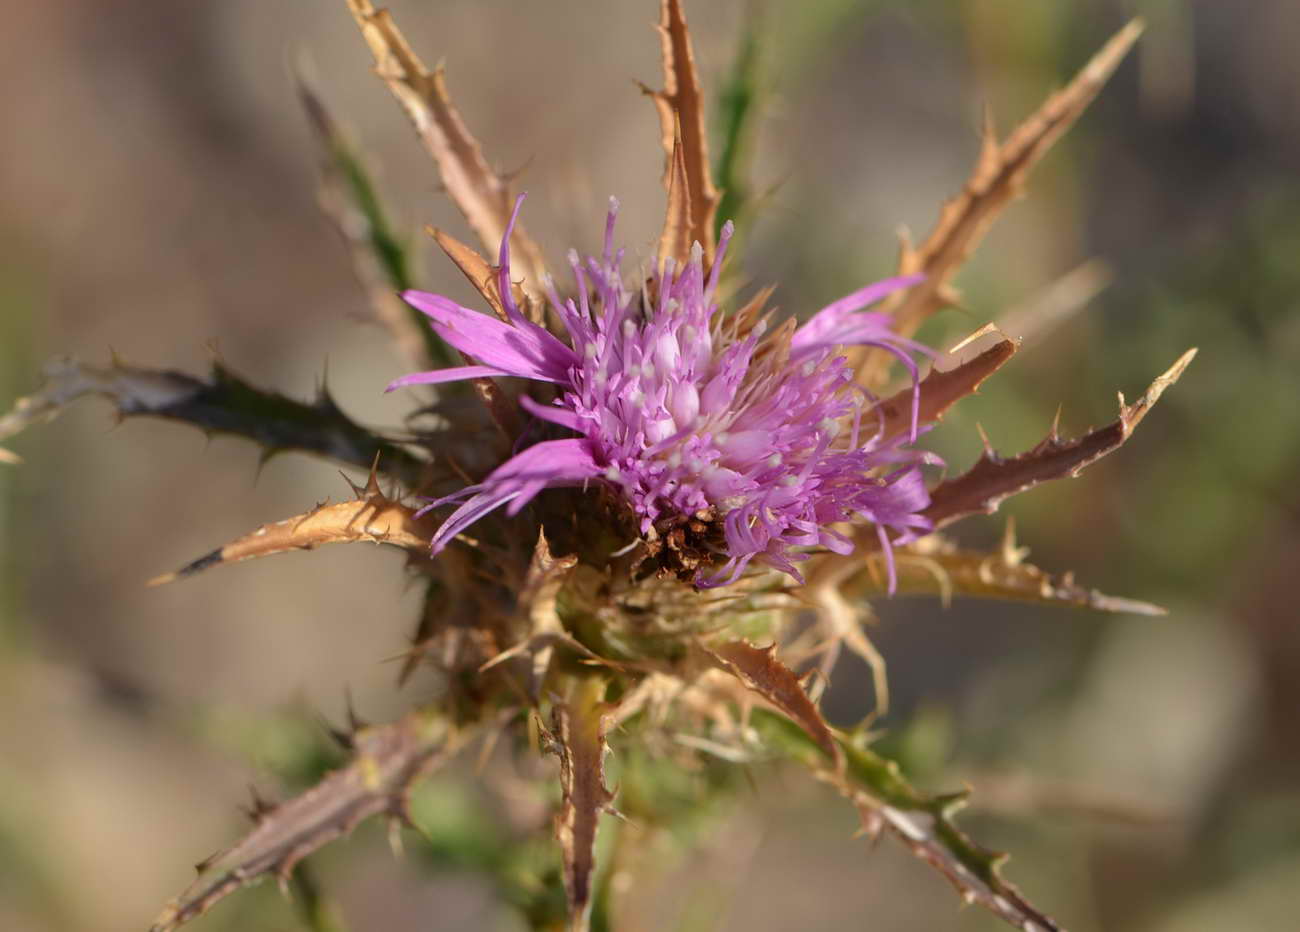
(689, 414)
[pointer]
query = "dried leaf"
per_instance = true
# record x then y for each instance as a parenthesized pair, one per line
(941, 389)
(840, 621)
(935, 566)
(675, 239)
(474, 267)
(480, 193)
(684, 131)
(226, 404)
(999, 176)
(761, 672)
(923, 823)
(580, 725)
(503, 409)
(993, 479)
(373, 518)
(546, 576)
(387, 761)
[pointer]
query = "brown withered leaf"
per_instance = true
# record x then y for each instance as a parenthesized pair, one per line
(546, 576)
(684, 131)
(993, 479)
(480, 193)
(841, 621)
(387, 760)
(998, 178)
(941, 389)
(580, 724)
(935, 566)
(675, 238)
(372, 517)
(476, 269)
(761, 672)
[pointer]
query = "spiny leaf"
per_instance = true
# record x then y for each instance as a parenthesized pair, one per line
(388, 760)
(546, 576)
(993, 479)
(999, 176)
(480, 193)
(349, 198)
(935, 566)
(373, 517)
(503, 409)
(923, 823)
(683, 129)
(580, 724)
(763, 673)
(941, 389)
(678, 232)
(226, 404)
(840, 620)
(476, 269)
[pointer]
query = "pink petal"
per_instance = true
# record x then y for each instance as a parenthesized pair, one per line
(530, 353)
(445, 375)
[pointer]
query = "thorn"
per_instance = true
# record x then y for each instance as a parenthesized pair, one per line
(952, 803)
(355, 724)
(342, 738)
(984, 439)
(202, 563)
(263, 458)
(259, 807)
(372, 484)
(283, 874)
(1056, 421)
(988, 133)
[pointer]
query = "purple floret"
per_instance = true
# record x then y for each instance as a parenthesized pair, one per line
(687, 416)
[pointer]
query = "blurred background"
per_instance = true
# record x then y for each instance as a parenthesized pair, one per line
(158, 198)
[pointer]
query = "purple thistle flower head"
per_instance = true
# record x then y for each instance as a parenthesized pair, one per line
(690, 413)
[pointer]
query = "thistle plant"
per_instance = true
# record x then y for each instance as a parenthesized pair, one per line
(648, 511)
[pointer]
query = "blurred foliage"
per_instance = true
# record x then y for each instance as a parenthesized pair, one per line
(1193, 514)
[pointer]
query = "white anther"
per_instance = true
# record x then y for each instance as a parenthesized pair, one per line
(774, 460)
(573, 257)
(697, 252)
(829, 427)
